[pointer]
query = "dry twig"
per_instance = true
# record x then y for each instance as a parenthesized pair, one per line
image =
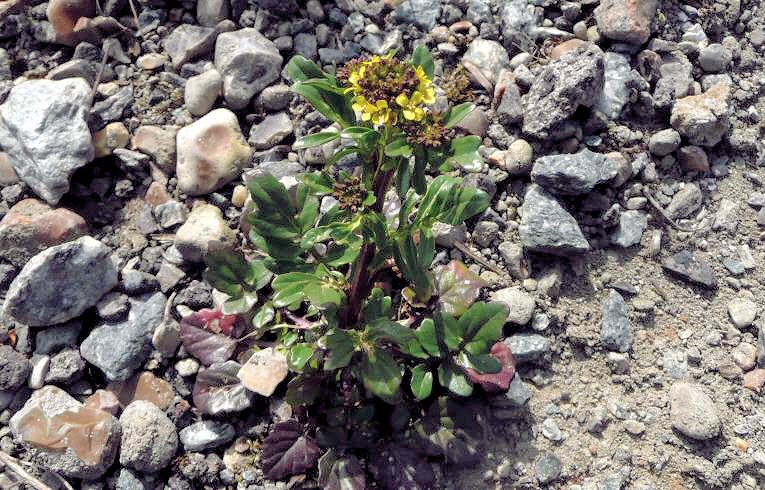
(655, 204)
(477, 257)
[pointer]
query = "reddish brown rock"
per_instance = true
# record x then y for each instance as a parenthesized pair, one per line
(565, 47)
(754, 380)
(70, 20)
(693, 159)
(103, 400)
(156, 194)
(31, 226)
(626, 20)
(144, 387)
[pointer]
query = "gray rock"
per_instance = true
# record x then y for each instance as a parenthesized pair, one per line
(54, 401)
(237, 398)
(201, 92)
(138, 282)
(615, 333)
(573, 174)
(551, 430)
(573, 80)
(210, 12)
(688, 266)
(629, 232)
(485, 232)
(520, 22)
(118, 348)
(305, 45)
(422, 13)
(279, 8)
(675, 363)
(44, 131)
(686, 202)
(188, 42)
(55, 338)
(675, 79)
(446, 234)
(206, 434)
(14, 368)
(61, 282)
(132, 480)
(509, 109)
(664, 142)
(520, 304)
(489, 56)
(618, 78)
(248, 63)
(727, 217)
(149, 439)
(528, 347)
(170, 213)
(272, 130)
(515, 260)
(66, 367)
(548, 468)
(742, 312)
(519, 394)
(692, 412)
(111, 108)
(547, 227)
(715, 58)
(112, 306)
(275, 97)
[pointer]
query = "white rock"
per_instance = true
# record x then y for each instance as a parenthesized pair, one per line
(211, 153)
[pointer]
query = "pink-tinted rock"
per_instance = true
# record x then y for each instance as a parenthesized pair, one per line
(565, 47)
(626, 20)
(156, 194)
(263, 372)
(31, 226)
(65, 436)
(703, 119)
(103, 400)
(159, 143)
(754, 380)
(146, 387)
(211, 153)
(7, 174)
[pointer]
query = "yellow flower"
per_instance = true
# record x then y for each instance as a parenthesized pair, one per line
(385, 89)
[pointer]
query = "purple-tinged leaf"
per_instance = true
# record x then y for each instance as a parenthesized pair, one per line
(340, 472)
(398, 467)
(287, 451)
(496, 382)
(207, 335)
(218, 390)
(457, 287)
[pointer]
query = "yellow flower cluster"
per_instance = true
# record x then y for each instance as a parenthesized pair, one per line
(382, 94)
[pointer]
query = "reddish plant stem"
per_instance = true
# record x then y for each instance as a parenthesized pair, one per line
(361, 281)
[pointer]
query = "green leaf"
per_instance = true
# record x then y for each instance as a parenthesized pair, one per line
(482, 325)
(377, 306)
(465, 153)
(300, 69)
(448, 200)
(303, 390)
(232, 273)
(326, 84)
(264, 316)
(358, 132)
(323, 294)
(483, 363)
(414, 259)
(457, 114)
(394, 332)
(335, 107)
(426, 334)
(421, 57)
(457, 287)
(318, 183)
(398, 148)
(290, 287)
(381, 376)
(313, 140)
(275, 214)
(454, 379)
(418, 174)
(242, 304)
(403, 175)
(341, 347)
(299, 355)
(422, 382)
